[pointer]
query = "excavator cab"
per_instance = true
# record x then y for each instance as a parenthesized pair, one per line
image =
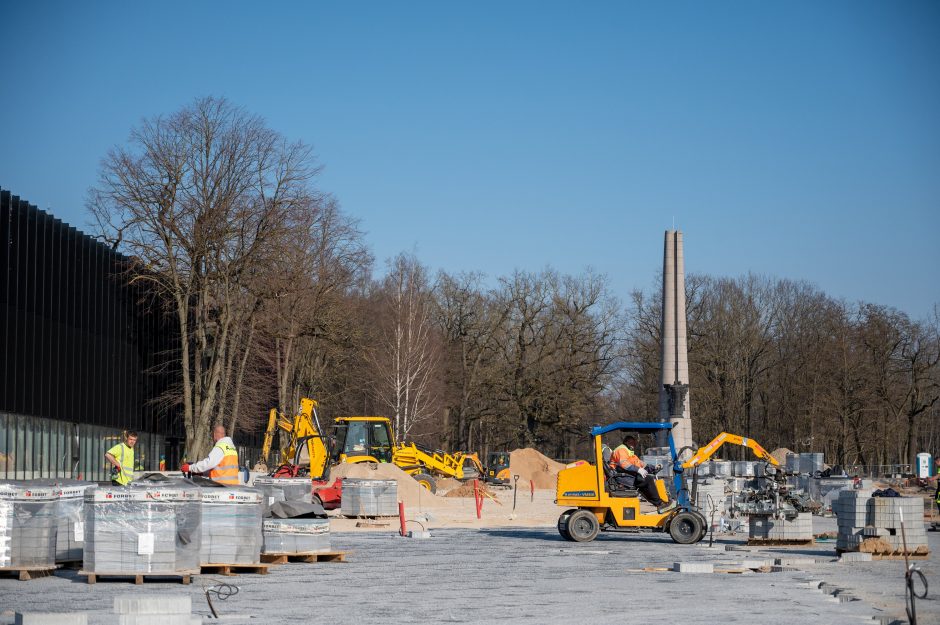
(362, 439)
(600, 502)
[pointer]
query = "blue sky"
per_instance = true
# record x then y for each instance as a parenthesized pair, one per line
(792, 139)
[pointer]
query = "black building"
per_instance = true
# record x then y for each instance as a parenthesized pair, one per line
(81, 351)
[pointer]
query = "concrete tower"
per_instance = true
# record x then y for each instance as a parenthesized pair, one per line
(674, 381)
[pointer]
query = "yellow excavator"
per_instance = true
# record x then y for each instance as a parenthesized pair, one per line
(706, 452)
(356, 439)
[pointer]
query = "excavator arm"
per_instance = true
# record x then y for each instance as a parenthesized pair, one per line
(706, 452)
(303, 429)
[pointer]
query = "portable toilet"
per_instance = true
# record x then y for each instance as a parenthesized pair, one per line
(924, 466)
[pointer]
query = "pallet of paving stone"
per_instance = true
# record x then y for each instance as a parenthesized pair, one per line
(778, 542)
(27, 573)
(308, 558)
(235, 569)
(185, 577)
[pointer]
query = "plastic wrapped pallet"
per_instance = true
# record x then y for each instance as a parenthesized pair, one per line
(231, 526)
(296, 535)
(369, 498)
(70, 516)
(143, 528)
(27, 525)
(274, 489)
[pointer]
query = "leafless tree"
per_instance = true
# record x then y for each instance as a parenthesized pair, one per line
(199, 200)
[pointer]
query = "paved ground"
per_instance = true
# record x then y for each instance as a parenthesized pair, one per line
(523, 575)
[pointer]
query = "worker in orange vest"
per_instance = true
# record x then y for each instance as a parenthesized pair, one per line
(222, 463)
(636, 473)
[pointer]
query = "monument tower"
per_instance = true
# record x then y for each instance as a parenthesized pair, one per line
(674, 380)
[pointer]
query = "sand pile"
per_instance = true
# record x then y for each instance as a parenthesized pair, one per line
(466, 490)
(529, 464)
(446, 484)
(409, 491)
(780, 455)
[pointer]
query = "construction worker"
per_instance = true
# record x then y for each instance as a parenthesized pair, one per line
(936, 495)
(222, 462)
(625, 460)
(121, 458)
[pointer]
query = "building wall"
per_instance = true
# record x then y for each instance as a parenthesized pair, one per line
(81, 352)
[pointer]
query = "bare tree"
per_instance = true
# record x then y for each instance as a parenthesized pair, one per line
(198, 200)
(406, 354)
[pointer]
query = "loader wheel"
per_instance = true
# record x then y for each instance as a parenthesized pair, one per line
(686, 528)
(426, 481)
(563, 523)
(582, 526)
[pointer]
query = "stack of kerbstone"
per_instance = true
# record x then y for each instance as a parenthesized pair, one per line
(155, 610)
(143, 528)
(369, 498)
(231, 525)
(274, 489)
(769, 529)
(27, 525)
(301, 535)
(873, 524)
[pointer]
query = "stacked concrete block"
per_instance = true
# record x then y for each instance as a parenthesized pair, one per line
(302, 535)
(369, 498)
(27, 525)
(767, 528)
(710, 496)
(155, 610)
(231, 526)
(143, 528)
(274, 489)
(873, 524)
(70, 520)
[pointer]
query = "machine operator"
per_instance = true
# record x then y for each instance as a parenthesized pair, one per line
(636, 474)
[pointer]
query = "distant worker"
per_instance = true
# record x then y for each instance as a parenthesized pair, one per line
(121, 458)
(625, 460)
(222, 463)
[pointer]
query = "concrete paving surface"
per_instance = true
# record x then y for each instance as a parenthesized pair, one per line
(528, 575)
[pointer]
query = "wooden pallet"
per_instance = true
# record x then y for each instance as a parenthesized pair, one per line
(26, 573)
(235, 569)
(309, 557)
(896, 555)
(776, 542)
(140, 578)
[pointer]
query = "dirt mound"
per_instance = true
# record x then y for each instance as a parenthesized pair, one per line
(409, 491)
(466, 490)
(780, 455)
(529, 464)
(446, 484)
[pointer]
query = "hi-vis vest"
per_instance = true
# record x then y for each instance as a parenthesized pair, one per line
(621, 453)
(125, 457)
(227, 471)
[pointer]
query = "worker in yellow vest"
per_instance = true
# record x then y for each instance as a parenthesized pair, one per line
(222, 463)
(121, 458)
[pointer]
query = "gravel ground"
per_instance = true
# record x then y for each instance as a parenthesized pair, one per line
(522, 575)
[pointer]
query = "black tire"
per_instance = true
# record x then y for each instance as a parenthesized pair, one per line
(426, 481)
(686, 528)
(563, 523)
(582, 526)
